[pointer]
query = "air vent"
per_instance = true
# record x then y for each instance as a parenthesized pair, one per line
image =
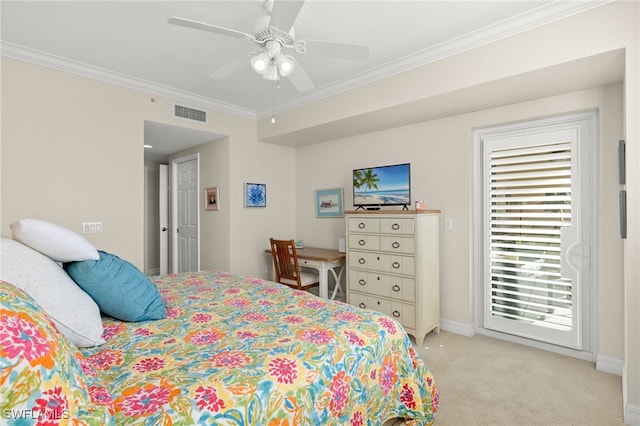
(189, 113)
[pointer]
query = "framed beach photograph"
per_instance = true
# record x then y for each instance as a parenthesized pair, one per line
(255, 195)
(211, 199)
(329, 202)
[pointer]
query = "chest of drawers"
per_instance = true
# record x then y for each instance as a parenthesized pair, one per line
(393, 266)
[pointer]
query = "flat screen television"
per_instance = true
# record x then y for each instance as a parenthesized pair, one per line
(376, 187)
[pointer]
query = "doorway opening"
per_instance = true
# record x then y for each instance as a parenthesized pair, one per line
(167, 141)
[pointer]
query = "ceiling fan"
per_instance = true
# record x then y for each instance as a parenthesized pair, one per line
(276, 41)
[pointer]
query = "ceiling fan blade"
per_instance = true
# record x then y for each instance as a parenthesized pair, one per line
(352, 52)
(284, 14)
(300, 79)
(233, 66)
(183, 22)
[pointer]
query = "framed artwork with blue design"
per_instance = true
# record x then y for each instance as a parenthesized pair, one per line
(255, 195)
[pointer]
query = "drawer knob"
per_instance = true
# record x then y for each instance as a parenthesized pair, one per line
(396, 314)
(361, 261)
(395, 265)
(396, 287)
(362, 242)
(362, 282)
(395, 244)
(362, 305)
(361, 225)
(395, 226)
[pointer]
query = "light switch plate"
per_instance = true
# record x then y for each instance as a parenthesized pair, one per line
(91, 227)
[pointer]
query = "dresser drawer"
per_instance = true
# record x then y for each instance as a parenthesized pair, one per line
(391, 286)
(364, 224)
(397, 244)
(367, 282)
(380, 262)
(309, 263)
(364, 242)
(404, 313)
(403, 288)
(397, 226)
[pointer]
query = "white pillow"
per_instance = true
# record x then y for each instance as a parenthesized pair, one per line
(55, 241)
(74, 312)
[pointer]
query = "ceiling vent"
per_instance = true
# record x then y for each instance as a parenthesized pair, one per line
(189, 113)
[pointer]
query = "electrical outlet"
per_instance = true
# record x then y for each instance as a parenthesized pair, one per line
(448, 224)
(92, 227)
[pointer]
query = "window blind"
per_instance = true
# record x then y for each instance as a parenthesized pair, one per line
(530, 193)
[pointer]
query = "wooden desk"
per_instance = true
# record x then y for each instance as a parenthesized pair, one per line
(325, 261)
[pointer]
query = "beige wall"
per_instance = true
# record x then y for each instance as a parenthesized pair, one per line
(442, 173)
(151, 217)
(72, 152)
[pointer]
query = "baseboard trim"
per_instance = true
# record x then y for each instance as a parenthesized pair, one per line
(603, 363)
(455, 327)
(609, 365)
(153, 271)
(632, 415)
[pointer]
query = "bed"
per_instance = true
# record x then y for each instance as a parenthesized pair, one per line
(242, 351)
(230, 350)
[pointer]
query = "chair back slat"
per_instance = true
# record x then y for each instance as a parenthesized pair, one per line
(285, 261)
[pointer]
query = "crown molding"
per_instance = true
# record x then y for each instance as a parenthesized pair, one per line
(37, 57)
(538, 17)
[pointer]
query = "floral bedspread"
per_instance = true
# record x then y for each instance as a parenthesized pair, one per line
(240, 351)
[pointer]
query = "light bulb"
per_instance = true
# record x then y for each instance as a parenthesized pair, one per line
(259, 62)
(285, 65)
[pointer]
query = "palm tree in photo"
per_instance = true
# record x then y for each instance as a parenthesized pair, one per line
(357, 178)
(370, 179)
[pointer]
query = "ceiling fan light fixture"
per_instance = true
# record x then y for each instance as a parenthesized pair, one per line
(271, 73)
(285, 65)
(260, 62)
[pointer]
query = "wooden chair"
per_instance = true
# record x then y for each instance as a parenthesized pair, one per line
(287, 270)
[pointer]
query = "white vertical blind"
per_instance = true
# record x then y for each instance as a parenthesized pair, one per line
(530, 202)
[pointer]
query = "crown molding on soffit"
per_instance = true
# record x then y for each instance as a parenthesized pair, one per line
(540, 16)
(501, 30)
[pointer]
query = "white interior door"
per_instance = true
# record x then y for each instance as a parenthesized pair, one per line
(186, 246)
(163, 209)
(537, 230)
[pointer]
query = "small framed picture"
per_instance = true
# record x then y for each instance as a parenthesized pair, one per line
(211, 199)
(329, 202)
(255, 195)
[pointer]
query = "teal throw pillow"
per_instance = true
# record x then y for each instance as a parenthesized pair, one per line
(120, 289)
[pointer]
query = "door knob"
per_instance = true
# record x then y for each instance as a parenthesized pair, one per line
(163, 229)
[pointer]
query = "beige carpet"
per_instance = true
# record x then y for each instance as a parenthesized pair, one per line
(485, 381)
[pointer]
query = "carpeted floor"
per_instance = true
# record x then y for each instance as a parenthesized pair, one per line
(486, 381)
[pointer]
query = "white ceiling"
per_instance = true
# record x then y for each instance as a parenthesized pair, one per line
(131, 44)
(165, 139)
